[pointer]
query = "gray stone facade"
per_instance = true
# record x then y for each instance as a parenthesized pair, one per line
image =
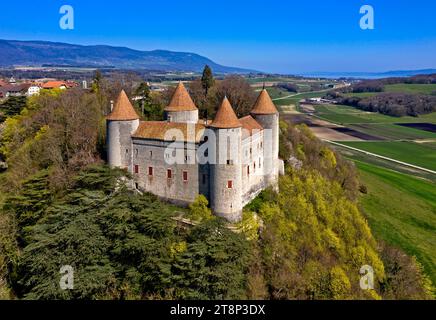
(229, 182)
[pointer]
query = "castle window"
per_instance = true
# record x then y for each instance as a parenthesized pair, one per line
(136, 152)
(136, 186)
(127, 151)
(260, 164)
(150, 171)
(136, 168)
(248, 170)
(230, 184)
(169, 174)
(151, 154)
(229, 162)
(251, 150)
(261, 145)
(254, 169)
(185, 176)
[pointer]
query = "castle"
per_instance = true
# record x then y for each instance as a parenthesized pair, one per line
(228, 160)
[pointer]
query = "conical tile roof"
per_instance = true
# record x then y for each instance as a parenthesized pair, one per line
(225, 117)
(264, 104)
(123, 109)
(181, 100)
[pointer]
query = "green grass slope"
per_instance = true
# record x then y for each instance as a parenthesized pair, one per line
(402, 211)
(409, 152)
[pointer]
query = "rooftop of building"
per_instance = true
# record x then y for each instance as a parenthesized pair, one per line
(181, 100)
(264, 104)
(225, 117)
(123, 109)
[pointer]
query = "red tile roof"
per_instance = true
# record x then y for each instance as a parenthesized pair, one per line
(225, 117)
(181, 100)
(123, 109)
(157, 130)
(54, 84)
(264, 104)
(250, 125)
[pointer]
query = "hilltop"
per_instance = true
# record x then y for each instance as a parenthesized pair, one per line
(43, 53)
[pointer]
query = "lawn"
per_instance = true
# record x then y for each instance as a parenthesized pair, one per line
(392, 131)
(361, 94)
(411, 88)
(401, 210)
(348, 115)
(296, 98)
(275, 92)
(409, 152)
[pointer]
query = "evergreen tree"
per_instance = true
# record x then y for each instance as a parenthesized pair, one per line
(207, 79)
(96, 83)
(13, 106)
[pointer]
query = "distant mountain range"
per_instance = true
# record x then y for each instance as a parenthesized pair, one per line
(40, 53)
(369, 75)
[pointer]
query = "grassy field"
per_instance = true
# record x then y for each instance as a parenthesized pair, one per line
(348, 115)
(393, 132)
(296, 98)
(410, 152)
(361, 94)
(408, 219)
(411, 88)
(275, 92)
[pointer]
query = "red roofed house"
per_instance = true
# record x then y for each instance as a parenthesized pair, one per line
(55, 85)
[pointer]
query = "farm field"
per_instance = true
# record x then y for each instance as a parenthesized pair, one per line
(348, 115)
(361, 94)
(409, 152)
(408, 88)
(411, 88)
(392, 131)
(295, 99)
(408, 219)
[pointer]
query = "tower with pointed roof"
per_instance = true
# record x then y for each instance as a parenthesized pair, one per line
(266, 114)
(241, 158)
(121, 123)
(181, 108)
(226, 167)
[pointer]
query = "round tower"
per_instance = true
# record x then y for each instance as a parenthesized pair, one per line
(121, 123)
(266, 114)
(226, 168)
(181, 107)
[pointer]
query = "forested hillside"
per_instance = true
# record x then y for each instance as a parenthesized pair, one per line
(60, 205)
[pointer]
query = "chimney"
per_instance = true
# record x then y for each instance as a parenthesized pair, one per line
(112, 105)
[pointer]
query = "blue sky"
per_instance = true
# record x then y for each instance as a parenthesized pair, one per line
(283, 36)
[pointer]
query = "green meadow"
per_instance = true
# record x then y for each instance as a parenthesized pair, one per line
(348, 115)
(392, 131)
(401, 210)
(411, 88)
(409, 152)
